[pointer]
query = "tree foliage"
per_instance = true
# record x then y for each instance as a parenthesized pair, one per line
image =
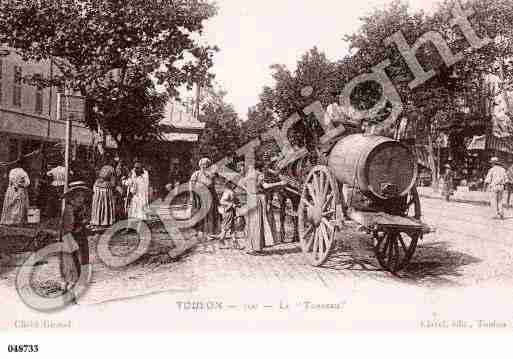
(108, 51)
(427, 106)
(222, 134)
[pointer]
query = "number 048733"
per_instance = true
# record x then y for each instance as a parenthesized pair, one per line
(22, 348)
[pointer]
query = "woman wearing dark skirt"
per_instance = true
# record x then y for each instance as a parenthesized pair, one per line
(260, 230)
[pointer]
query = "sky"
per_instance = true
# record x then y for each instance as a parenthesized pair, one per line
(254, 34)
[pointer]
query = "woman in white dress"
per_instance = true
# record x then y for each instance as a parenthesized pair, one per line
(16, 201)
(138, 185)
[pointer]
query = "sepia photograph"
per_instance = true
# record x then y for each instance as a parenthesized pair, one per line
(249, 166)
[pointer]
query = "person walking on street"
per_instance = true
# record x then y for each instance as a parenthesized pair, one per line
(495, 181)
(16, 200)
(448, 179)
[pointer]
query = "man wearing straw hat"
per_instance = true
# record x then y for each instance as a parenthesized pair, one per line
(495, 181)
(74, 222)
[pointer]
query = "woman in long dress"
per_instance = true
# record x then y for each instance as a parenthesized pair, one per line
(260, 229)
(16, 201)
(103, 205)
(207, 225)
(138, 185)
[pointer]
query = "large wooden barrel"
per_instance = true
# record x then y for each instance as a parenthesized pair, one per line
(379, 166)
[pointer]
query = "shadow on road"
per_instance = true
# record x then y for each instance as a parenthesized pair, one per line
(352, 251)
(437, 264)
(281, 251)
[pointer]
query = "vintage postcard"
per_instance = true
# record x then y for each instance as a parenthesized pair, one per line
(191, 165)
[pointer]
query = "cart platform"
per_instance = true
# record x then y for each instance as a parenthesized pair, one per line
(383, 221)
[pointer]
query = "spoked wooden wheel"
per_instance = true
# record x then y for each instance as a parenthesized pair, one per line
(394, 248)
(317, 214)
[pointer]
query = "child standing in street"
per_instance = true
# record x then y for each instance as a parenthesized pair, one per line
(227, 208)
(74, 222)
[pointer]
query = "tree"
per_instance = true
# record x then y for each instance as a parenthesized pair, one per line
(222, 135)
(437, 100)
(286, 98)
(108, 51)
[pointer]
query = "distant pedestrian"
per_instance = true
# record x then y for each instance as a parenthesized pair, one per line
(16, 200)
(103, 205)
(495, 181)
(448, 180)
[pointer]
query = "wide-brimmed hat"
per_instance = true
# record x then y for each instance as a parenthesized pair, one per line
(494, 160)
(447, 165)
(75, 187)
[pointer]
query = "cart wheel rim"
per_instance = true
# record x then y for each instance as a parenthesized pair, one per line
(316, 213)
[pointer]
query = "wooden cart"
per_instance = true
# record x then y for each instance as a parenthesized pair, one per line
(365, 178)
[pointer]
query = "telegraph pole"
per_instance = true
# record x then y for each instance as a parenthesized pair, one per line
(68, 140)
(198, 92)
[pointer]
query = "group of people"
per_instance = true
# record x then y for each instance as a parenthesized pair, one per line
(117, 193)
(498, 181)
(261, 228)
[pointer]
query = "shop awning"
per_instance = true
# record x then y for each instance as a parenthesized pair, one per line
(500, 144)
(491, 143)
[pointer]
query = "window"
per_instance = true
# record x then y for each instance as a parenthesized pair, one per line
(16, 94)
(13, 149)
(39, 100)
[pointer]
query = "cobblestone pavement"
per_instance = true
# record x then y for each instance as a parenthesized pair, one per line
(467, 260)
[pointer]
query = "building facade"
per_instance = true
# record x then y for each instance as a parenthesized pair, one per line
(28, 115)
